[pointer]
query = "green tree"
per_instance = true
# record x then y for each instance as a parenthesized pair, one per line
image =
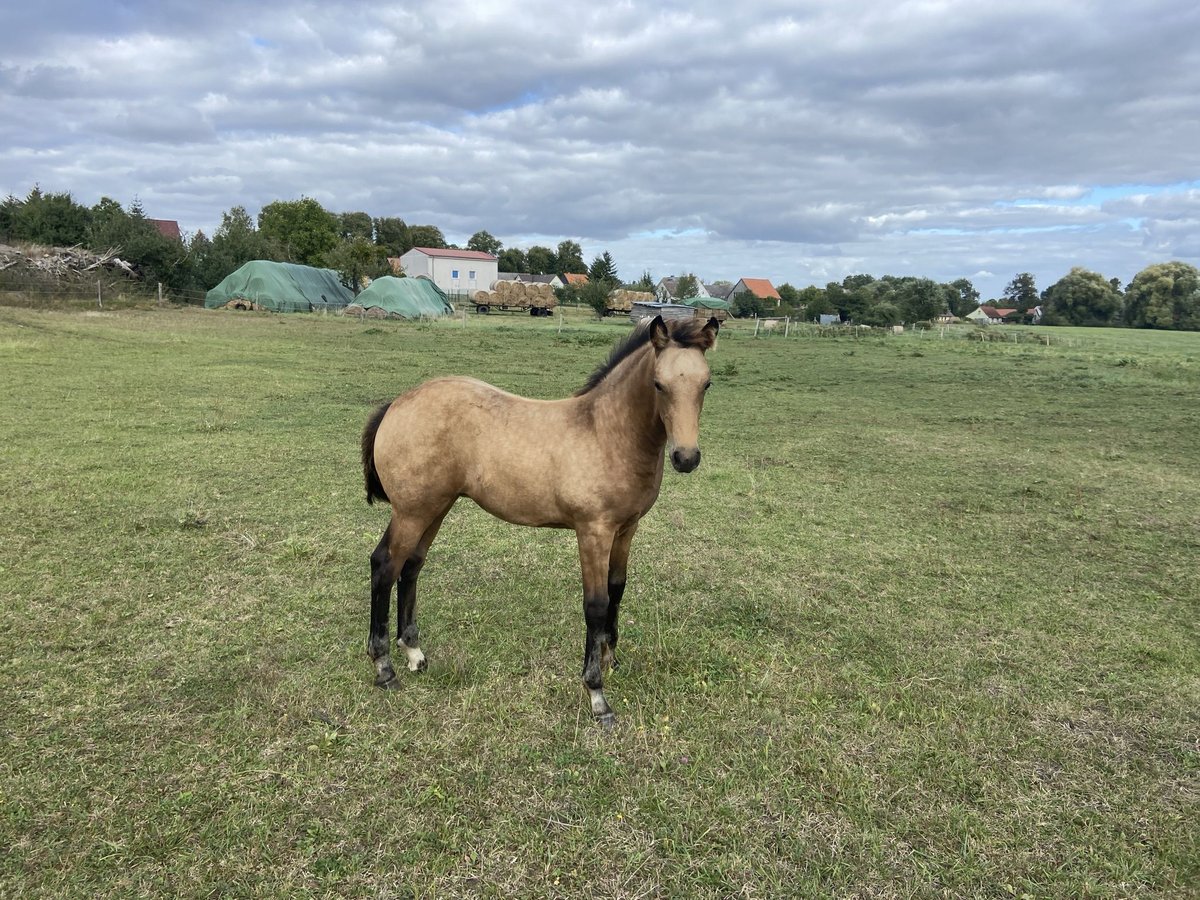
(109, 225)
(512, 259)
(788, 295)
(854, 297)
(1165, 295)
(603, 269)
(920, 300)
(812, 302)
(485, 243)
(428, 236)
(747, 304)
(1081, 298)
(883, 314)
(687, 286)
(645, 283)
(569, 258)
(542, 260)
(54, 220)
(303, 228)
(967, 297)
(9, 210)
(356, 260)
(393, 235)
(594, 294)
(236, 242)
(1021, 293)
(356, 225)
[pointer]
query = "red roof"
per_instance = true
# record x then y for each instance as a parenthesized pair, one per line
(455, 254)
(575, 278)
(761, 288)
(990, 312)
(168, 228)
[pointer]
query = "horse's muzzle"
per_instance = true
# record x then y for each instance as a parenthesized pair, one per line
(685, 460)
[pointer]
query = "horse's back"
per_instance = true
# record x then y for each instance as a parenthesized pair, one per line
(460, 436)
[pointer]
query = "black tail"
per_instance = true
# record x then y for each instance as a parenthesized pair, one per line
(375, 489)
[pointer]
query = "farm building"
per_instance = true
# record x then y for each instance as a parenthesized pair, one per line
(404, 298)
(646, 310)
(759, 287)
(456, 272)
(989, 315)
(575, 278)
(708, 308)
(667, 290)
(279, 287)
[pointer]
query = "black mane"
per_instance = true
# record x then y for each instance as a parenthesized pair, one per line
(684, 332)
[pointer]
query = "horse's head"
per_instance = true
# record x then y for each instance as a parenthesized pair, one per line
(681, 377)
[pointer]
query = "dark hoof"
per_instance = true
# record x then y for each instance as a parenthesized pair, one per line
(606, 721)
(388, 684)
(422, 666)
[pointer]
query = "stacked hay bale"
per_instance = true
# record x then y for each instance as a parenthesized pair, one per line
(241, 303)
(517, 295)
(622, 300)
(372, 312)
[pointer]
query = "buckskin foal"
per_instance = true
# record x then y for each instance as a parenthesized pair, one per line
(592, 462)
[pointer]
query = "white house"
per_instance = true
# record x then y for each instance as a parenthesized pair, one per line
(667, 289)
(454, 271)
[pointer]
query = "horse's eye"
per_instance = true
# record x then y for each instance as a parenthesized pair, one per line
(658, 386)
(707, 385)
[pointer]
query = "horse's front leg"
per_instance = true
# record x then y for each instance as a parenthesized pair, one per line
(618, 562)
(595, 547)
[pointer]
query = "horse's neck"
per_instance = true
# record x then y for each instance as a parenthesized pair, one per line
(624, 405)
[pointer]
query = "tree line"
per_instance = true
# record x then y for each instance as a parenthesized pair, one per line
(357, 245)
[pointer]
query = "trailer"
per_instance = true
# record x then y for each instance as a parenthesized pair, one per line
(516, 296)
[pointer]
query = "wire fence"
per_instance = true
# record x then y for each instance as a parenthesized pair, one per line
(101, 293)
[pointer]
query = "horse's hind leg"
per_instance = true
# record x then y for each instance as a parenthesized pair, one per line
(407, 634)
(383, 579)
(397, 545)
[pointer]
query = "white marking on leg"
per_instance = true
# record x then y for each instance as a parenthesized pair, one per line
(416, 659)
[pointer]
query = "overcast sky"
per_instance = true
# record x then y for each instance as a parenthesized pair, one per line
(796, 141)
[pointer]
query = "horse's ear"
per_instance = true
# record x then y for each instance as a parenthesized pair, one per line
(659, 336)
(710, 329)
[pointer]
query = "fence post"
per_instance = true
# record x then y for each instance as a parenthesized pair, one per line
(99, 299)
(160, 293)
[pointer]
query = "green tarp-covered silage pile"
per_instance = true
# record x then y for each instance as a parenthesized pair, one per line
(280, 287)
(406, 298)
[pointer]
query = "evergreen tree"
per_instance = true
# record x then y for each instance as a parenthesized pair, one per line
(603, 269)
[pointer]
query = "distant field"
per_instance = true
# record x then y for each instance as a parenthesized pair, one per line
(924, 623)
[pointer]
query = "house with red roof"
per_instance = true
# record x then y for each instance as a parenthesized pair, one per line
(759, 287)
(455, 271)
(577, 278)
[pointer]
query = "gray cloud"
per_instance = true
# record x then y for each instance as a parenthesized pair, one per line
(800, 142)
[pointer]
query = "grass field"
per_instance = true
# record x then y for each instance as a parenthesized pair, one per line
(924, 623)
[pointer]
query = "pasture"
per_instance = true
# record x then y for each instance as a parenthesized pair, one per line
(923, 623)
